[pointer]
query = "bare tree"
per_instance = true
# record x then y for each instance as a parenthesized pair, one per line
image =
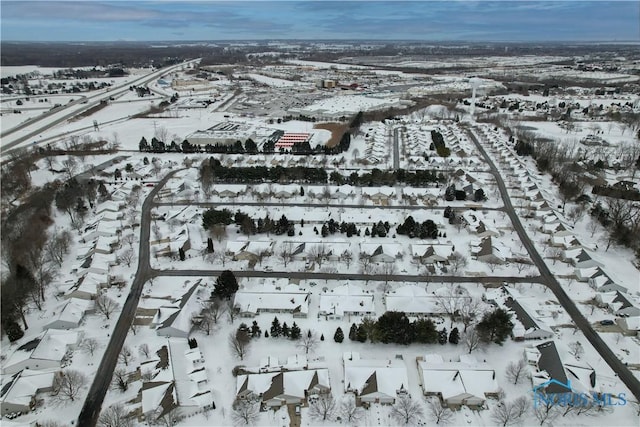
(387, 270)
(406, 411)
(90, 345)
(576, 349)
(469, 309)
(126, 355)
(323, 406)
(58, 247)
(127, 256)
(366, 264)
(231, 311)
(245, 412)
(115, 416)
(450, 299)
(105, 305)
(286, 250)
(308, 342)
(210, 316)
(593, 226)
(68, 384)
(472, 340)
(70, 167)
(545, 411)
(347, 257)
(129, 239)
(493, 264)
(510, 413)
(239, 341)
(516, 370)
(120, 380)
(144, 349)
(349, 411)
(317, 253)
(457, 261)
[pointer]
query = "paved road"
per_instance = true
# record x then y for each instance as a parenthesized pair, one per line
(91, 409)
(549, 279)
(314, 205)
(396, 147)
(310, 275)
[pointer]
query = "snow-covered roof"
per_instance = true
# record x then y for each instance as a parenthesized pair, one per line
(71, 312)
(382, 377)
(269, 297)
(348, 298)
(176, 317)
(411, 299)
(274, 385)
(191, 381)
(24, 385)
(457, 379)
(50, 345)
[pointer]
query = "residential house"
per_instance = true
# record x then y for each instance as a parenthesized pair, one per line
(346, 300)
(381, 252)
(175, 319)
(548, 366)
(488, 252)
(431, 253)
(250, 301)
(19, 393)
(45, 351)
(464, 383)
(375, 380)
(70, 314)
(413, 300)
(378, 195)
(275, 389)
(527, 321)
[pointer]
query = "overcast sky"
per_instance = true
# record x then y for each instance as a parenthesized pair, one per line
(559, 20)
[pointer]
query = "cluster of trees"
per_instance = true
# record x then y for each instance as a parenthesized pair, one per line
(379, 229)
(141, 91)
(439, 145)
(215, 221)
(377, 177)
(395, 327)
(278, 330)
(622, 219)
(213, 171)
(427, 230)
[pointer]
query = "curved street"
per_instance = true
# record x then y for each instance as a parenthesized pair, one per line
(550, 281)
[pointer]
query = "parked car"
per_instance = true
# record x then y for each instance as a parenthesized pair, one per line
(606, 322)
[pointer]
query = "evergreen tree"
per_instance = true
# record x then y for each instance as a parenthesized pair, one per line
(276, 329)
(361, 334)
(286, 331)
(338, 336)
(181, 254)
(454, 336)
(353, 332)
(294, 333)
(13, 330)
(442, 336)
(210, 245)
(425, 331)
(226, 285)
(495, 326)
(321, 337)
(255, 330)
(266, 334)
(394, 327)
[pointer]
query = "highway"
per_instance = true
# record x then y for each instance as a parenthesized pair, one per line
(67, 112)
(552, 283)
